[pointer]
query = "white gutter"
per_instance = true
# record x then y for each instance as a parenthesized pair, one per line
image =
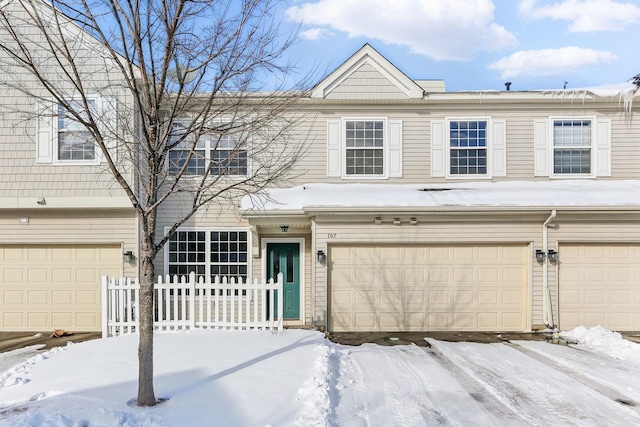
(547, 309)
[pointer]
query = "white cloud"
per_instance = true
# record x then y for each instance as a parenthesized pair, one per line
(549, 62)
(586, 15)
(441, 30)
(315, 33)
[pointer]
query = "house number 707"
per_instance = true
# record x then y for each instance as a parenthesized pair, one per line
(331, 235)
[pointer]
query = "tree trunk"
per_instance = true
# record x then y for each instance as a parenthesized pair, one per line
(146, 395)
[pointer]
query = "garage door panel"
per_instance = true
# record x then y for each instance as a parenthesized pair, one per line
(38, 297)
(46, 287)
(599, 285)
(12, 298)
(488, 297)
(429, 288)
(61, 297)
(488, 320)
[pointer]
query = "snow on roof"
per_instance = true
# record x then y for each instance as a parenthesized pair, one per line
(533, 194)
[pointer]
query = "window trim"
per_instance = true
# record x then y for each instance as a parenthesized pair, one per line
(47, 130)
(385, 147)
(488, 147)
(208, 153)
(207, 231)
(593, 147)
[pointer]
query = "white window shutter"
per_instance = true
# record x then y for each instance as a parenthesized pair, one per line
(603, 147)
(438, 148)
(46, 131)
(109, 127)
(499, 148)
(334, 148)
(541, 146)
(395, 148)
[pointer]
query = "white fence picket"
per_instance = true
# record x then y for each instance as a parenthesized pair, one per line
(184, 303)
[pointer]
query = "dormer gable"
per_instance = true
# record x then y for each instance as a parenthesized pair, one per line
(367, 75)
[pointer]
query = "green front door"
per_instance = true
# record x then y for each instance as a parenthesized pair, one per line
(285, 258)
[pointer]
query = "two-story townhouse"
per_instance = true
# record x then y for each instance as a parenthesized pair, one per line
(64, 220)
(421, 209)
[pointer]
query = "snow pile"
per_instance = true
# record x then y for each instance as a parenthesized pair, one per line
(564, 193)
(604, 341)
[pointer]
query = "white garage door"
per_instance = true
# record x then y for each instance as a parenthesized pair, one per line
(54, 287)
(418, 288)
(600, 285)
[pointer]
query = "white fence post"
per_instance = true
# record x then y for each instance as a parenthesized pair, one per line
(192, 300)
(105, 305)
(221, 304)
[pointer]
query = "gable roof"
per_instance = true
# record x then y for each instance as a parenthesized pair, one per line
(371, 58)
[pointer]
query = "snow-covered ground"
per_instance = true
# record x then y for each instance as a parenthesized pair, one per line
(299, 378)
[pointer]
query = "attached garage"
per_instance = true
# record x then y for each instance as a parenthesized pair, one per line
(599, 284)
(428, 287)
(46, 287)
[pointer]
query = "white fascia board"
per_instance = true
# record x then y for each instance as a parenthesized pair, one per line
(65, 202)
(369, 55)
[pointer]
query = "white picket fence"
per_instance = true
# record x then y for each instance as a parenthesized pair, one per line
(186, 303)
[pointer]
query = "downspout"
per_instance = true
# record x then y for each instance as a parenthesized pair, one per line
(547, 309)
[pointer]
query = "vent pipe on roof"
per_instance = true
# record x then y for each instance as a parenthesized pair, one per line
(508, 85)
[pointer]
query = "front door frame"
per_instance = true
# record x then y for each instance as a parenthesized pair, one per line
(301, 245)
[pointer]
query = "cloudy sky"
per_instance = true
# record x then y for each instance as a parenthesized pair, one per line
(477, 44)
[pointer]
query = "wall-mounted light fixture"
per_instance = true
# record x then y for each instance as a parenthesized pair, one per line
(321, 256)
(553, 256)
(413, 221)
(377, 220)
(396, 221)
(284, 228)
(128, 256)
(540, 256)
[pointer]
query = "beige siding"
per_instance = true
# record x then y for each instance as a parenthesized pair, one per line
(20, 176)
(416, 121)
(366, 83)
(72, 228)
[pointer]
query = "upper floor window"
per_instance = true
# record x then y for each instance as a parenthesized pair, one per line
(364, 147)
(74, 140)
(572, 145)
(62, 139)
(468, 147)
(217, 154)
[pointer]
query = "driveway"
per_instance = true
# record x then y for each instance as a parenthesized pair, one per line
(485, 383)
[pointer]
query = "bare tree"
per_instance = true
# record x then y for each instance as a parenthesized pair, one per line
(171, 75)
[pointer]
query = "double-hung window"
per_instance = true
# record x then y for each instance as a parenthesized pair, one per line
(216, 154)
(572, 146)
(74, 140)
(62, 139)
(468, 146)
(364, 148)
(229, 157)
(209, 253)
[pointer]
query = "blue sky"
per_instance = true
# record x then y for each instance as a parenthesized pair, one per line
(477, 44)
